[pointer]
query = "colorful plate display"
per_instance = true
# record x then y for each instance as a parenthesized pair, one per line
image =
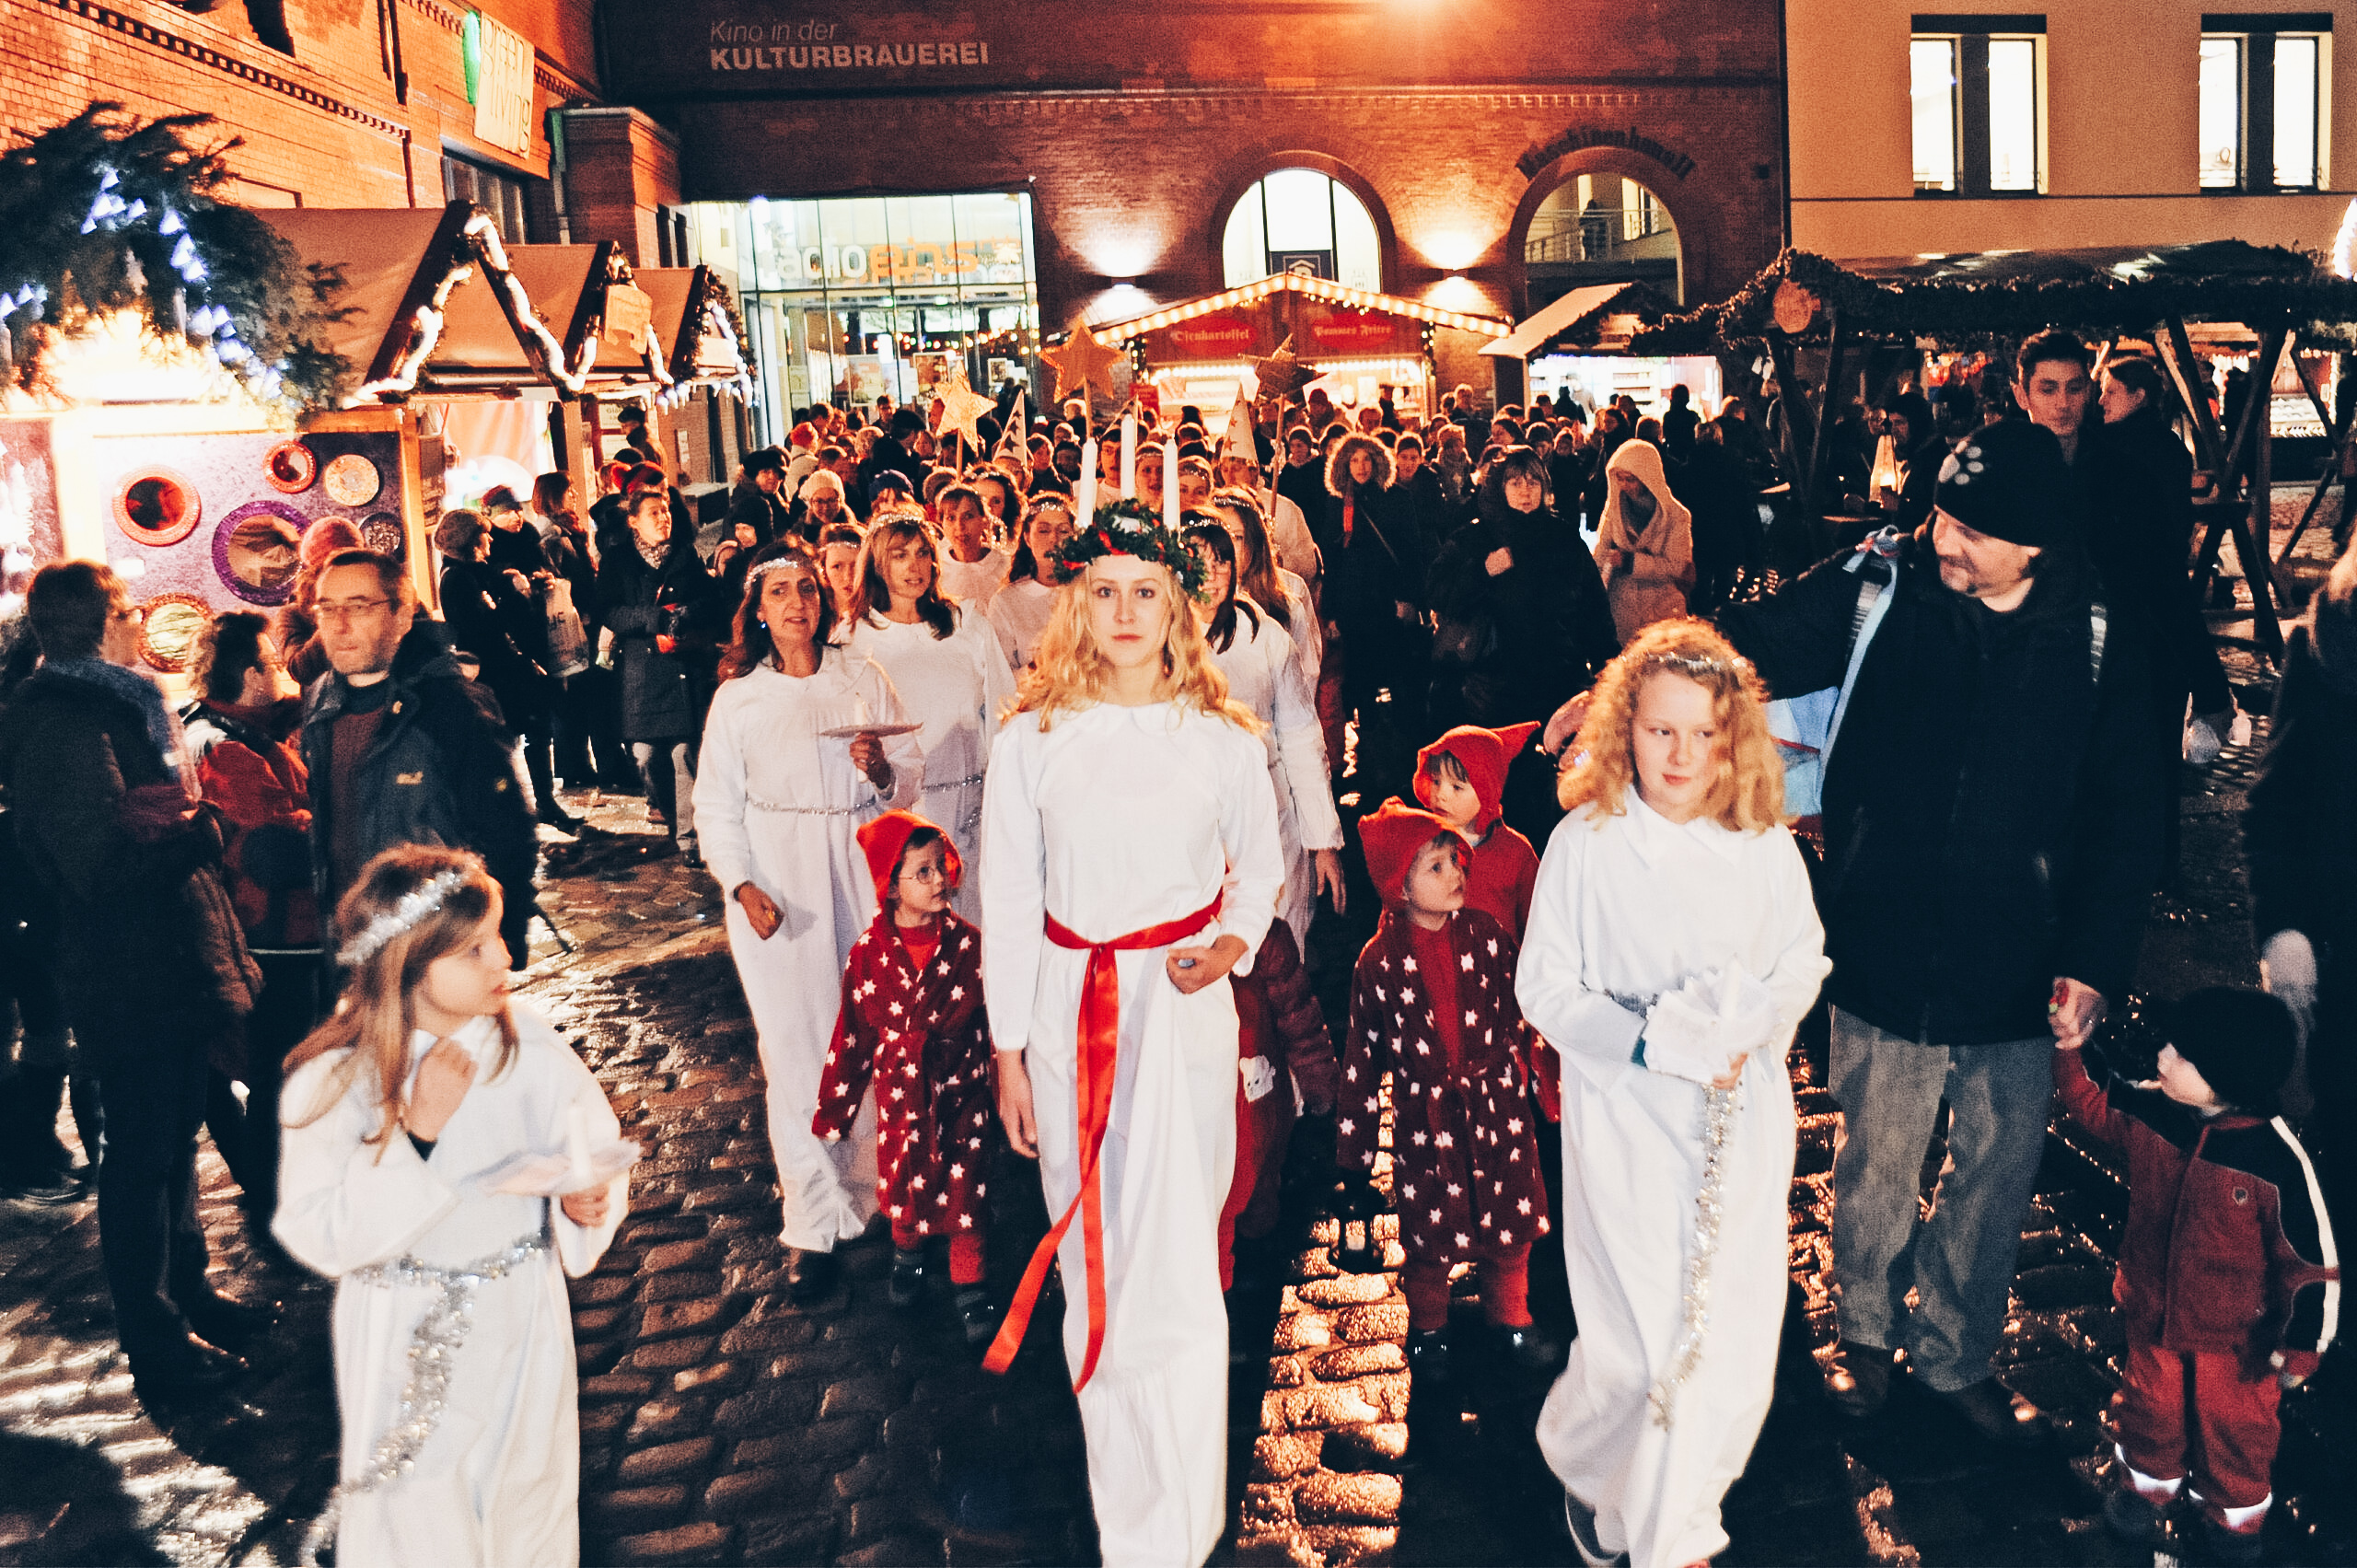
(381, 531)
(291, 467)
(156, 505)
(256, 550)
(353, 480)
(168, 630)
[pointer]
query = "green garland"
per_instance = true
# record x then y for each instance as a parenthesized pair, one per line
(1129, 526)
(107, 213)
(2227, 280)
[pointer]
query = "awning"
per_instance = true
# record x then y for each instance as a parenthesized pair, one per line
(695, 321)
(1600, 319)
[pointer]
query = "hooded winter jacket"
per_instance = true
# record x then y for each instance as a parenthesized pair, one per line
(1375, 558)
(1992, 811)
(1647, 564)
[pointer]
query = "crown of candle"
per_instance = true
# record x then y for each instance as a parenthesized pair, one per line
(1129, 526)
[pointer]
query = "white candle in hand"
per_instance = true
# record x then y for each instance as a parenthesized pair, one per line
(1170, 482)
(859, 709)
(1128, 454)
(1084, 496)
(576, 1147)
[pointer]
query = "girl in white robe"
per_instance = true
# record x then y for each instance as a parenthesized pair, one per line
(785, 804)
(1673, 948)
(1265, 674)
(1018, 612)
(402, 1112)
(952, 677)
(1129, 805)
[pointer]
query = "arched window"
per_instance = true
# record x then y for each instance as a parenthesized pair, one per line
(1595, 228)
(1296, 216)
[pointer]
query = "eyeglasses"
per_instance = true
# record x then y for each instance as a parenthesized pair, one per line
(925, 873)
(342, 610)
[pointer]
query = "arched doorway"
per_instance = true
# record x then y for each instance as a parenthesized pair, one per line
(1600, 227)
(1301, 219)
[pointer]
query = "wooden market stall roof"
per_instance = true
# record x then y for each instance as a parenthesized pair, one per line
(1600, 318)
(695, 319)
(1314, 289)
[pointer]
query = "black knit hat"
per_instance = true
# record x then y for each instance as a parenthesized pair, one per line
(2008, 480)
(2244, 1043)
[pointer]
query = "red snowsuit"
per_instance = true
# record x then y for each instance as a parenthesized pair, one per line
(2227, 1272)
(1503, 872)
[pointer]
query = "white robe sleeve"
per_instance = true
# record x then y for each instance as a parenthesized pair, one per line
(997, 674)
(1301, 749)
(579, 1247)
(1549, 983)
(344, 1203)
(1247, 831)
(720, 800)
(1014, 884)
(1801, 965)
(1002, 626)
(902, 751)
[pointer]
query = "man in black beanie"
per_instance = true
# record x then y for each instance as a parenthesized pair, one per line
(1992, 827)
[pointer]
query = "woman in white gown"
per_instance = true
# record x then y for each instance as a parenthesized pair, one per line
(1265, 675)
(1131, 865)
(1018, 612)
(1672, 950)
(951, 675)
(399, 1110)
(786, 801)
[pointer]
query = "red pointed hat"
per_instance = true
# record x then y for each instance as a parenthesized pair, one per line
(1485, 754)
(883, 841)
(1392, 837)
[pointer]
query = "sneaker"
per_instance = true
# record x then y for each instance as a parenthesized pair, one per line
(907, 1288)
(1858, 1378)
(2000, 1416)
(2232, 1546)
(978, 1313)
(1579, 1519)
(2133, 1516)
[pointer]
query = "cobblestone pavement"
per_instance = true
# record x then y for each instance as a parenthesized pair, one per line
(719, 1424)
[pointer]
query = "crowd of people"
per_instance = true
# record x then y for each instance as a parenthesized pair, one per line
(1025, 763)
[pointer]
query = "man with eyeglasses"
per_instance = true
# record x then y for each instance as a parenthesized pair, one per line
(151, 959)
(400, 750)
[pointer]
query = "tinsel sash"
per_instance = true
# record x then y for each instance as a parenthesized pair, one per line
(1100, 1032)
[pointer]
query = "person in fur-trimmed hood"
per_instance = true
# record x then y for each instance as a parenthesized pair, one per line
(1376, 567)
(1644, 541)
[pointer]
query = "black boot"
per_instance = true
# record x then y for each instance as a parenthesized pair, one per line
(39, 1145)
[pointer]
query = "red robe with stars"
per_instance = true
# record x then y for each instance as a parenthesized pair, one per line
(925, 1040)
(1465, 1171)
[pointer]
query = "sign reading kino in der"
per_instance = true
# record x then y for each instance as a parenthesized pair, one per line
(894, 43)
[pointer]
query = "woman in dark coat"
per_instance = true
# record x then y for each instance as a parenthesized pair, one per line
(492, 614)
(654, 597)
(1525, 622)
(1373, 596)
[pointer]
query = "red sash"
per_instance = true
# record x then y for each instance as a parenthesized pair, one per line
(1100, 1031)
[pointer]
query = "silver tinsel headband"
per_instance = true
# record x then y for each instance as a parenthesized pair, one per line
(403, 916)
(791, 559)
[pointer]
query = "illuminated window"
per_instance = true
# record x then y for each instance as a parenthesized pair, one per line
(1976, 87)
(1298, 219)
(2264, 80)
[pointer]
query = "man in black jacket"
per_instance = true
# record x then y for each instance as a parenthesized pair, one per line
(151, 959)
(891, 453)
(398, 749)
(754, 502)
(1993, 824)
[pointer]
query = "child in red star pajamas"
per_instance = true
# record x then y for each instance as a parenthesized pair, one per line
(2229, 1281)
(1433, 1004)
(1461, 779)
(912, 1021)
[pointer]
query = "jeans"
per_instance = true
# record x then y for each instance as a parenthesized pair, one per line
(1960, 1261)
(671, 788)
(148, 1235)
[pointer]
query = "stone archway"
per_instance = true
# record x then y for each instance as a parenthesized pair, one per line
(1249, 169)
(1657, 180)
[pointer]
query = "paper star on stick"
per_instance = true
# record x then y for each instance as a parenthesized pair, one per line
(1082, 360)
(961, 406)
(1282, 375)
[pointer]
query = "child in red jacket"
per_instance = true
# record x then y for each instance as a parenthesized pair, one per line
(1433, 1005)
(1461, 779)
(2229, 1284)
(912, 1021)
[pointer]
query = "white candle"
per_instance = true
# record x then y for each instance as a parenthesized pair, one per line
(1128, 454)
(1170, 482)
(576, 1148)
(1084, 496)
(858, 709)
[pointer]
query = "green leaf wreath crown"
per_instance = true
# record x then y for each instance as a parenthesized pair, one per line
(1129, 526)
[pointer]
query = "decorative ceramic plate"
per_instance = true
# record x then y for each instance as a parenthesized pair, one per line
(257, 550)
(290, 467)
(168, 630)
(381, 531)
(157, 505)
(353, 480)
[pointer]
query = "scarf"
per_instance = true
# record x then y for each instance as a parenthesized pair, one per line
(134, 688)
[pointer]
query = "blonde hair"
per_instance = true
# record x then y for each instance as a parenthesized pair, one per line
(1071, 672)
(374, 1019)
(1747, 796)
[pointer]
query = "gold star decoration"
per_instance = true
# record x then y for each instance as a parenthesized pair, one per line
(1282, 375)
(961, 406)
(1082, 360)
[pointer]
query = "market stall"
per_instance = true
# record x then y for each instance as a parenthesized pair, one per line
(1362, 343)
(1809, 315)
(1579, 344)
